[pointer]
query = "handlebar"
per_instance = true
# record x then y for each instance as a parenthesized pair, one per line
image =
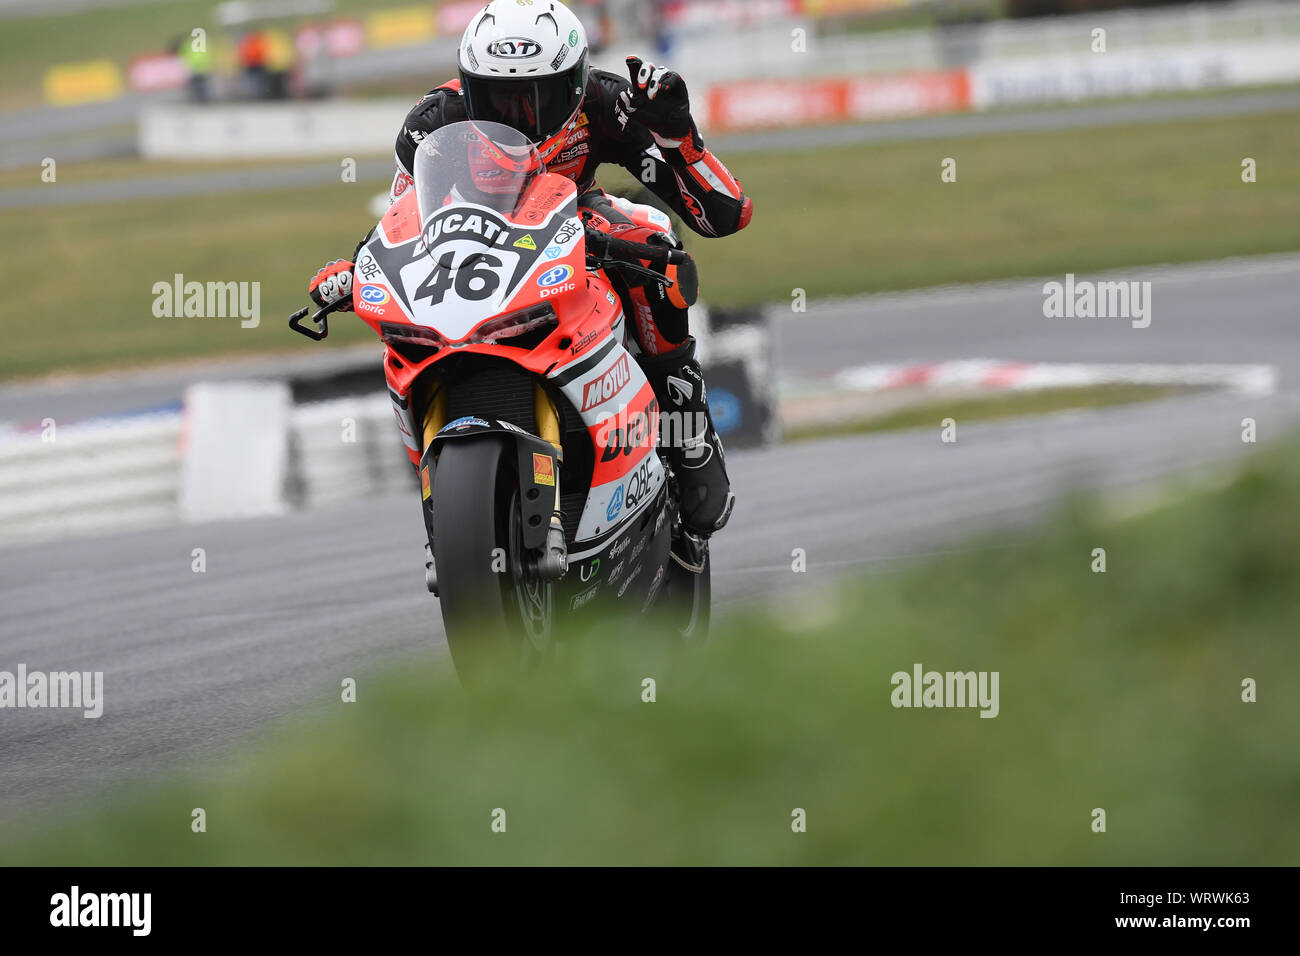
(611, 252)
(623, 249)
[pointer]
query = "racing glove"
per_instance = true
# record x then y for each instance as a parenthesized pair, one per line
(658, 100)
(333, 284)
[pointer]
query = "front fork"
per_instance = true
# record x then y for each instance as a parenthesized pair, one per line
(435, 416)
(553, 561)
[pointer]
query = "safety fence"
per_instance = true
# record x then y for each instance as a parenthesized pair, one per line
(246, 448)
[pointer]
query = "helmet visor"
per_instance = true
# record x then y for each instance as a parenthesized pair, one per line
(538, 107)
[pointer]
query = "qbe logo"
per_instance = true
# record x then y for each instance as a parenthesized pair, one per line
(374, 294)
(639, 485)
(555, 276)
(567, 232)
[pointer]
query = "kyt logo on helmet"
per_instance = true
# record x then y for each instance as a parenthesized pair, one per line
(514, 48)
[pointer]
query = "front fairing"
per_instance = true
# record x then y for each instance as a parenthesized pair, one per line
(472, 243)
(454, 269)
(468, 265)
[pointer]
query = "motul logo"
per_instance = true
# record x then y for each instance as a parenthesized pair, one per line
(607, 386)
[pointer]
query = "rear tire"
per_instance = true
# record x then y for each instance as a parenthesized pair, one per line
(687, 600)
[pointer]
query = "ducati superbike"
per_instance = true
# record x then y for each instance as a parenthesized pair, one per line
(547, 499)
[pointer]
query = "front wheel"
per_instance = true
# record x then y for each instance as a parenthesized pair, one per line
(492, 606)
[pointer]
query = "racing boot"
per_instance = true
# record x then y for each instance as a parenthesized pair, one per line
(694, 447)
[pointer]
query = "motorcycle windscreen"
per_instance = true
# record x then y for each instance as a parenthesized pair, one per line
(470, 179)
(485, 164)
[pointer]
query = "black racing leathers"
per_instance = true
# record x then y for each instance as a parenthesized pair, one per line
(683, 173)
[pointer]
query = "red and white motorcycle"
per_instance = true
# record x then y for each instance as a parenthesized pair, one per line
(534, 430)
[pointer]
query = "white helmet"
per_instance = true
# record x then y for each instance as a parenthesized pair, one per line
(524, 65)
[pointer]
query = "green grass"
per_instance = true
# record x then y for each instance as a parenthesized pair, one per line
(97, 264)
(1008, 404)
(119, 168)
(829, 222)
(1119, 690)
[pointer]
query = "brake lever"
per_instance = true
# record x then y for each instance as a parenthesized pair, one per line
(322, 329)
(317, 334)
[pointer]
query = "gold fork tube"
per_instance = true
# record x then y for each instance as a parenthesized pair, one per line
(548, 427)
(435, 416)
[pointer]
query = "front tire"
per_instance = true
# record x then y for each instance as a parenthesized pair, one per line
(478, 555)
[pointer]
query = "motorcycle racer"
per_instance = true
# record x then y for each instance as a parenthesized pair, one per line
(524, 65)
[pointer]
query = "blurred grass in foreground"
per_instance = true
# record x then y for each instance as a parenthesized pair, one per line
(1119, 690)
